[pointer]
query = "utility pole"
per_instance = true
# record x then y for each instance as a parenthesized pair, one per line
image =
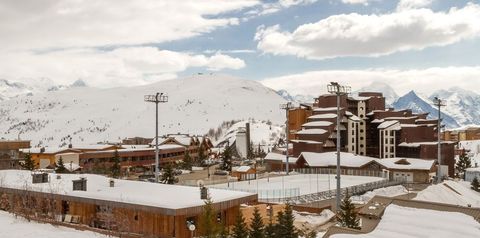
(157, 98)
(439, 103)
(338, 90)
(286, 107)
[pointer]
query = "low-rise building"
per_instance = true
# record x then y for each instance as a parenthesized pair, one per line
(141, 209)
(472, 173)
(11, 153)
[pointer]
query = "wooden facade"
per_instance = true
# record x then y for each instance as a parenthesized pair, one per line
(111, 217)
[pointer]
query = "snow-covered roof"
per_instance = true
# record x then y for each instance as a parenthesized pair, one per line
(400, 118)
(323, 116)
(418, 144)
(125, 191)
(330, 159)
(242, 169)
(393, 125)
(477, 169)
(307, 141)
(46, 150)
(402, 222)
(325, 109)
(354, 118)
(318, 123)
(311, 131)
(279, 157)
(378, 121)
(450, 192)
(92, 146)
(406, 163)
(359, 98)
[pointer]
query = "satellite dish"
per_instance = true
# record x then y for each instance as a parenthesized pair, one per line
(191, 227)
(200, 183)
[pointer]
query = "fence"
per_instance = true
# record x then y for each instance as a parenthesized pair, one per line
(353, 172)
(352, 190)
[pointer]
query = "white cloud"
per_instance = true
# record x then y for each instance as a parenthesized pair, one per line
(372, 35)
(120, 67)
(364, 2)
(410, 4)
(32, 24)
(421, 80)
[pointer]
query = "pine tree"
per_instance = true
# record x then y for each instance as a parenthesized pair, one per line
(227, 159)
(115, 169)
(28, 164)
(463, 163)
(208, 226)
(347, 215)
(270, 230)
(168, 175)
(202, 157)
(60, 167)
(187, 161)
(223, 232)
(285, 227)
(257, 228)
(240, 229)
(475, 184)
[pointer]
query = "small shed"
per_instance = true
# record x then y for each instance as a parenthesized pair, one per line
(471, 173)
(244, 173)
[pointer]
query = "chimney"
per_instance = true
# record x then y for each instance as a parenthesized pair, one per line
(42, 150)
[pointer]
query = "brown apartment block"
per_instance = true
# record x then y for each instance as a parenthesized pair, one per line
(367, 128)
(469, 133)
(10, 154)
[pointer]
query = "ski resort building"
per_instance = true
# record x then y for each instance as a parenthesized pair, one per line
(11, 153)
(367, 128)
(111, 206)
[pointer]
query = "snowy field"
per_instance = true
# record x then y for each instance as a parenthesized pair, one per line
(456, 193)
(21, 228)
(405, 222)
(295, 185)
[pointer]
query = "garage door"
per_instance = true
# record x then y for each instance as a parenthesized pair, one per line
(408, 176)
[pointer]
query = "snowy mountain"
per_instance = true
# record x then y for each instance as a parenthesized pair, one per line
(461, 104)
(9, 90)
(86, 115)
(418, 105)
(299, 98)
(387, 91)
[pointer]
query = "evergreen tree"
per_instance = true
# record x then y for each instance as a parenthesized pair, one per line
(227, 159)
(168, 175)
(208, 226)
(187, 161)
(223, 232)
(257, 228)
(115, 169)
(60, 167)
(285, 227)
(475, 184)
(347, 216)
(202, 157)
(240, 229)
(270, 230)
(463, 163)
(28, 164)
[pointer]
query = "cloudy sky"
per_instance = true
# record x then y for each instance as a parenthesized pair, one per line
(298, 45)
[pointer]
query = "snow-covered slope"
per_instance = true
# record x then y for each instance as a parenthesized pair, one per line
(88, 115)
(418, 105)
(9, 90)
(463, 105)
(387, 91)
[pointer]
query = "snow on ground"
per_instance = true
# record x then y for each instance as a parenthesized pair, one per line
(313, 219)
(295, 185)
(405, 222)
(127, 191)
(21, 228)
(392, 191)
(443, 194)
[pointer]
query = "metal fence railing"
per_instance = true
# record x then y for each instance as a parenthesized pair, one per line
(353, 172)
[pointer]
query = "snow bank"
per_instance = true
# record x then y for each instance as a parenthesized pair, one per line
(21, 228)
(392, 191)
(461, 194)
(406, 222)
(313, 219)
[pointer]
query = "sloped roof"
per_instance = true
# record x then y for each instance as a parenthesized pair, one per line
(311, 131)
(272, 156)
(328, 159)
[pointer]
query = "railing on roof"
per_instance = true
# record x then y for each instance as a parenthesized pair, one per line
(353, 172)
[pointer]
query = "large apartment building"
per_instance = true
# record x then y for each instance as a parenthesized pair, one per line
(367, 128)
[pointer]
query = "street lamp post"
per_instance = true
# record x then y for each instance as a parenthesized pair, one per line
(439, 103)
(338, 90)
(286, 107)
(157, 98)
